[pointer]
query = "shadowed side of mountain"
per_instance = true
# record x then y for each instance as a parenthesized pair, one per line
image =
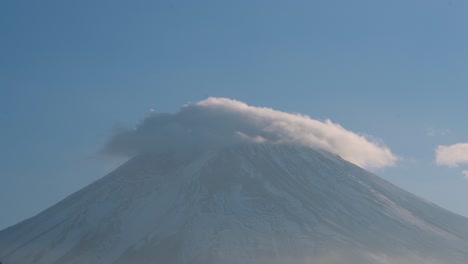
(249, 203)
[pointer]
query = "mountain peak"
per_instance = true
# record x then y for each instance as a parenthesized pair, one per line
(241, 203)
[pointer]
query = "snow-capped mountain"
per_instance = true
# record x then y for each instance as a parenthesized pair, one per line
(249, 203)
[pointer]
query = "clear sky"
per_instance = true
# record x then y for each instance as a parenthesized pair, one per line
(73, 71)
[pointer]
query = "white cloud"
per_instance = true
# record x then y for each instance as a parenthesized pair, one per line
(465, 174)
(452, 155)
(437, 132)
(220, 121)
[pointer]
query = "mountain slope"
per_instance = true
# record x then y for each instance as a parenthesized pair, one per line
(256, 203)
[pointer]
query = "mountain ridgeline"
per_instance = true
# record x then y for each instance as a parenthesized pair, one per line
(246, 203)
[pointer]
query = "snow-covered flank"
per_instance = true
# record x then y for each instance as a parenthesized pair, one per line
(250, 203)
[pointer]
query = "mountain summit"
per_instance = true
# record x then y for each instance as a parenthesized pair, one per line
(244, 203)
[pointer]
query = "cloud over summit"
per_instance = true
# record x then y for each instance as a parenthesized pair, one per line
(221, 121)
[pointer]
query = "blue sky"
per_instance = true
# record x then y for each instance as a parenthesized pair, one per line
(71, 72)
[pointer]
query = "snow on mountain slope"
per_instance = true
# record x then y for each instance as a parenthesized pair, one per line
(251, 203)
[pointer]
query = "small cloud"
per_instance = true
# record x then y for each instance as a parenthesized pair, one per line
(437, 132)
(465, 174)
(452, 155)
(220, 121)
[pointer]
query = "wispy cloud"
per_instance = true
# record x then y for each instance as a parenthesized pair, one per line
(220, 121)
(465, 174)
(452, 155)
(437, 132)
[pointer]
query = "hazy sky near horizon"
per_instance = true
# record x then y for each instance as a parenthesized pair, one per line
(71, 72)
